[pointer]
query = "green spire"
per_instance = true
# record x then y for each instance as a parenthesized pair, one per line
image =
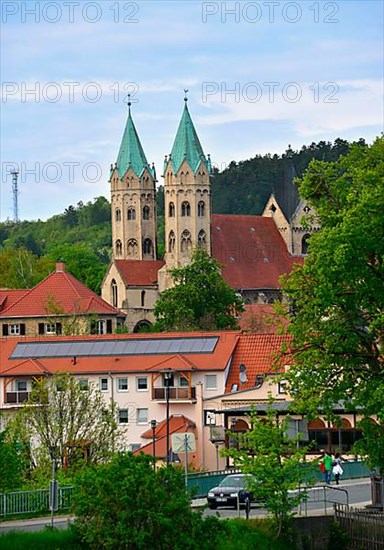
(186, 145)
(131, 153)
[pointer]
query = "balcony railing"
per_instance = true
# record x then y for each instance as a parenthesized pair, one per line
(15, 397)
(175, 394)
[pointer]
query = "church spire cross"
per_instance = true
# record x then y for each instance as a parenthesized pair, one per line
(185, 95)
(129, 102)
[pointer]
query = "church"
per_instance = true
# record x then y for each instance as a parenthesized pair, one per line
(254, 250)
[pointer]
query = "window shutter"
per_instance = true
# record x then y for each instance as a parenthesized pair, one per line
(58, 328)
(93, 327)
(22, 329)
(5, 330)
(41, 328)
(109, 326)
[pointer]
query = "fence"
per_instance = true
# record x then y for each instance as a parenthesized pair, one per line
(365, 528)
(31, 502)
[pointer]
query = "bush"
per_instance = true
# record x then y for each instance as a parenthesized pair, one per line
(125, 504)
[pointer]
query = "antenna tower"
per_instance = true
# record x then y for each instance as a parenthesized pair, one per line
(15, 193)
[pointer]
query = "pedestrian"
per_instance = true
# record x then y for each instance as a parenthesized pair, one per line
(327, 460)
(337, 470)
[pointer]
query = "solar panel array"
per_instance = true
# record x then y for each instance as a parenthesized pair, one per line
(98, 348)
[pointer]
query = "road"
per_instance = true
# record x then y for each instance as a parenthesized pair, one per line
(358, 491)
(354, 492)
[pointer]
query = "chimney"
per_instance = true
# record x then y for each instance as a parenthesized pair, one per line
(60, 267)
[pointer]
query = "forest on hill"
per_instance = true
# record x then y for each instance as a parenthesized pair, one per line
(81, 235)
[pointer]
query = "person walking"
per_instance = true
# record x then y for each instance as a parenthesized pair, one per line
(337, 470)
(327, 460)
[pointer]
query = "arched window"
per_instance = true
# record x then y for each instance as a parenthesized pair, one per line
(131, 214)
(171, 242)
(132, 248)
(186, 241)
(171, 210)
(114, 292)
(118, 215)
(201, 239)
(201, 209)
(182, 177)
(146, 213)
(118, 247)
(185, 209)
(147, 246)
(142, 298)
(304, 243)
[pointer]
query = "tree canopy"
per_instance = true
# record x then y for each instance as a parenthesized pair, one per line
(337, 296)
(68, 419)
(200, 299)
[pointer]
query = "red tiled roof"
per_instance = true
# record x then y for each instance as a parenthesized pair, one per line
(177, 424)
(258, 353)
(261, 319)
(60, 292)
(10, 296)
(139, 272)
(218, 360)
(251, 249)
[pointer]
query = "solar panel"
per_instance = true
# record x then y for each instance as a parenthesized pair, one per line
(97, 348)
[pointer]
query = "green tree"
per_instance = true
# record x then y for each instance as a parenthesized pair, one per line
(275, 464)
(337, 296)
(67, 420)
(200, 299)
(126, 504)
(12, 462)
(20, 268)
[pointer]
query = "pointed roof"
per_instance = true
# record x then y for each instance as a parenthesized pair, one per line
(186, 145)
(60, 292)
(131, 153)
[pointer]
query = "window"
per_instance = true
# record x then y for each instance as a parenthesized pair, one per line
(131, 214)
(141, 383)
(103, 384)
(282, 387)
(141, 416)
(183, 382)
(122, 384)
(185, 209)
(304, 243)
(171, 242)
(83, 383)
(114, 292)
(49, 328)
(123, 416)
(147, 246)
(101, 326)
(186, 241)
(118, 247)
(14, 330)
(201, 209)
(132, 247)
(134, 447)
(142, 298)
(201, 239)
(146, 212)
(118, 215)
(21, 385)
(171, 210)
(210, 381)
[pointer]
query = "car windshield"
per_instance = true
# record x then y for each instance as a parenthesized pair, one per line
(233, 481)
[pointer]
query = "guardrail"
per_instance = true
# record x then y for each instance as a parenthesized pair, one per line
(31, 502)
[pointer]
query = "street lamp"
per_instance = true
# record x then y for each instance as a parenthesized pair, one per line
(167, 381)
(153, 426)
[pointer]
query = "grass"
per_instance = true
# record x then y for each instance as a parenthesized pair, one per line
(49, 539)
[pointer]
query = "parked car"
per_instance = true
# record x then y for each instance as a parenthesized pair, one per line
(231, 488)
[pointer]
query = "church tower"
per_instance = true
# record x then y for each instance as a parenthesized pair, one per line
(133, 200)
(187, 196)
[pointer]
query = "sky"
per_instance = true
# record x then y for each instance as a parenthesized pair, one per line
(260, 75)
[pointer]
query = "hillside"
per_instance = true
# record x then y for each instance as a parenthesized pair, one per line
(81, 236)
